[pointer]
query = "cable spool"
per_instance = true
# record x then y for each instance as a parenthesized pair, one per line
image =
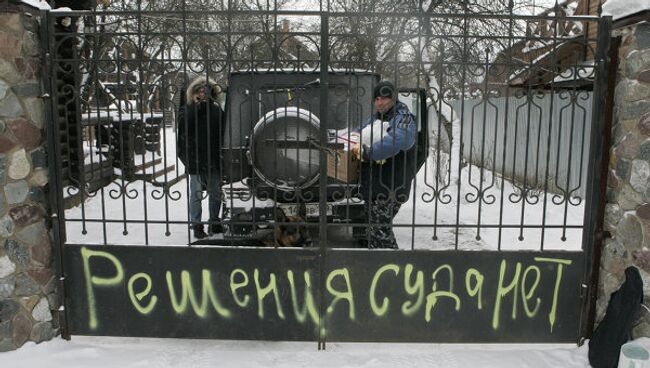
(282, 154)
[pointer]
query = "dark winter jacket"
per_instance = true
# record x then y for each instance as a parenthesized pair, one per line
(199, 135)
(389, 166)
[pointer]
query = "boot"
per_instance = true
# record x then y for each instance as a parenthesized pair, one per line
(198, 232)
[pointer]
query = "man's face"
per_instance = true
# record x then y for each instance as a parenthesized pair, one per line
(383, 104)
(199, 95)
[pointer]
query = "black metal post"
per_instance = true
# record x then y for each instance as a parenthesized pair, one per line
(55, 193)
(322, 228)
(592, 239)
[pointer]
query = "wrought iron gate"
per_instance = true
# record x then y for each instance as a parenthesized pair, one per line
(495, 232)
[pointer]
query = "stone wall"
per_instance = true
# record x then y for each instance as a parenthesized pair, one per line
(627, 213)
(27, 281)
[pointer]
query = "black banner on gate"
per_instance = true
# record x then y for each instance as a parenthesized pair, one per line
(272, 294)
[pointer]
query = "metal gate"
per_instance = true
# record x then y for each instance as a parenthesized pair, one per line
(496, 218)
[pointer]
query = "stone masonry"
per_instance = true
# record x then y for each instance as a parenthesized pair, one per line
(28, 298)
(627, 213)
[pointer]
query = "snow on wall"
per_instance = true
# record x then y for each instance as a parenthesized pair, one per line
(619, 9)
(38, 4)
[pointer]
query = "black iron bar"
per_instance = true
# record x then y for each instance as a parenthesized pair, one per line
(99, 135)
(548, 143)
(140, 57)
(184, 86)
(463, 83)
(512, 226)
(331, 13)
(322, 198)
(55, 194)
(606, 64)
(509, 57)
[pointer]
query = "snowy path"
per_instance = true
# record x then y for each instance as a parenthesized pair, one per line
(105, 352)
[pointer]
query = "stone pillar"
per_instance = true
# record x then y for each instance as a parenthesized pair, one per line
(28, 298)
(627, 213)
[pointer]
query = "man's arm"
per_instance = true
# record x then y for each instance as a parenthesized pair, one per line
(400, 137)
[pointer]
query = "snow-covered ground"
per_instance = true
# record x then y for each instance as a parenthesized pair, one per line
(117, 352)
(105, 352)
(505, 208)
(166, 213)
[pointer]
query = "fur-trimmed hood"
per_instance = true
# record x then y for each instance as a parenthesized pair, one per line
(217, 92)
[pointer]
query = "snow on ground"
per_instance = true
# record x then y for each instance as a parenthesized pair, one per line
(619, 9)
(105, 352)
(167, 214)
(514, 213)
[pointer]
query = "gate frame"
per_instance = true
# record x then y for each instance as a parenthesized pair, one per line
(593, 233)
(55, 192)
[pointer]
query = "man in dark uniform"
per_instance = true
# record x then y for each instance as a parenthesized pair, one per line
(387, 163)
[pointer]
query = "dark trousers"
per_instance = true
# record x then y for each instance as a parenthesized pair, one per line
(205, 182)
(380, 215)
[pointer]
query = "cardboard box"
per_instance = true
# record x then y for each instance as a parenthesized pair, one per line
(342, 166)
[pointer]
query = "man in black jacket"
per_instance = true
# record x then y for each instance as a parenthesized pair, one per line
(387, 163)
(199, 146)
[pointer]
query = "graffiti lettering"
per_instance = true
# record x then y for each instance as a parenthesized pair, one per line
(91, 280)
(432, 298)
(262, 292)
(505, 290)
(187, 292)
(308, 306)
(528, 295)
(558, 279)
(235, 285)
(358, 295)
(476, 289)
(341, 295)
(380, 311)
(409, 308)
(136, 298)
